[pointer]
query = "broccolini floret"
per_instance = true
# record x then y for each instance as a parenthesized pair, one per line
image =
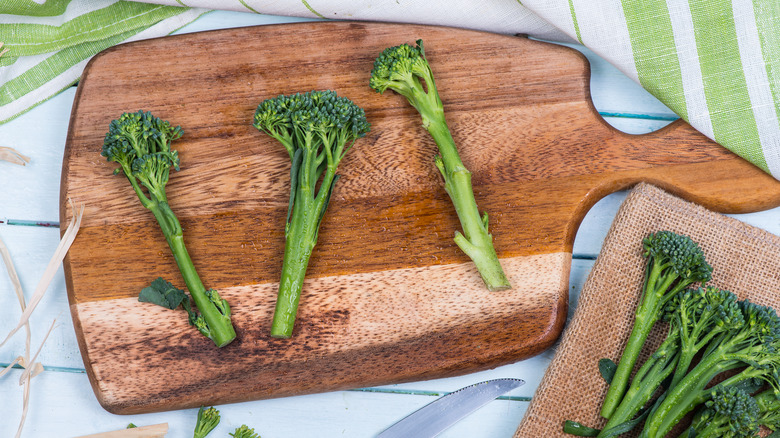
(752, 347)
(141, 144)
(244, 431)
(405, 70)
(703, 314)
(674, 262)
(317, 129)
(208, 419)
(730, 413)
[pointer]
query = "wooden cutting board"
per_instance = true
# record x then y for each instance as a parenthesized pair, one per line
(389, 296)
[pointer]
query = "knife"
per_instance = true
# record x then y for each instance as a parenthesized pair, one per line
(433, 418)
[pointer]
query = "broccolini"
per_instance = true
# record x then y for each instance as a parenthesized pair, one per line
(674, 262)
(405, 70)
(317, 129)
(752, 346)
(695, 317)
(141, 144)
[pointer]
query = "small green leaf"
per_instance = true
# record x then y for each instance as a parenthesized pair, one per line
(626, 426)
(163, 294)
(577, 429)
(607, 369)
(297, 161)
(327, 200)
(131, 426)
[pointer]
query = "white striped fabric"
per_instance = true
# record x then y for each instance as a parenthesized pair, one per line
(716, 63)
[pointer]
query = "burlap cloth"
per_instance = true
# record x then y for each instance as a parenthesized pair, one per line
(745, 260)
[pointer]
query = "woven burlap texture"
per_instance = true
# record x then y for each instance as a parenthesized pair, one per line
(745, 260)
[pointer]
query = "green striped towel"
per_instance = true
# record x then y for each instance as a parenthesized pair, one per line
(46, 46)
(716, 63)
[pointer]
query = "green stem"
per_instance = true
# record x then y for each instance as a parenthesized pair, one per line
(646, 382)
(684, 397)
(617, 388)
(301, 238)
(645, 317)
(222, 331)
(475, 241)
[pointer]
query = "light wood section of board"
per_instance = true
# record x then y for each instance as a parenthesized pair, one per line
(359, 329)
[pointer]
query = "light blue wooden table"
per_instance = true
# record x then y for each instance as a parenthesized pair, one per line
(62, 403)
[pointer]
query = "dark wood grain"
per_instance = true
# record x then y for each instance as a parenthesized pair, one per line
(389, 297)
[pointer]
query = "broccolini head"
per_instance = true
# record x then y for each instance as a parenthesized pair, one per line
(730, 413)
(710, 308)
(137, 134)
(763, 324)
(312, 119)
(141, 144)
(403, 69)
(681, 254)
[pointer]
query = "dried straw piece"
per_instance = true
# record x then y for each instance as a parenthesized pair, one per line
(51, 270)
(153, 431)
(33, 368)
(11, 155)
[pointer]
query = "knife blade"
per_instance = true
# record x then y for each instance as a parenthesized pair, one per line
(433, 418)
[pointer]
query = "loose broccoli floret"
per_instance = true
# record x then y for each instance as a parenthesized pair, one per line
(207, 420)
(141, 144)
(674, 262)
(244, 432)
(730, 413)
(752, 346)
(317, 129)
(405, 70)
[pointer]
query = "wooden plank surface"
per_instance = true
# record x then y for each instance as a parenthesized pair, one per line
(541, 158)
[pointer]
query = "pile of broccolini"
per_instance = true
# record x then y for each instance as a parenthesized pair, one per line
(719, 359)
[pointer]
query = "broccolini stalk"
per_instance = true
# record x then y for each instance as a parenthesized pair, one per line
(674, 263)
(317, 128)
(207, 420)
(646, 382)
(405, 70)
(753, 345)
(141, 144)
